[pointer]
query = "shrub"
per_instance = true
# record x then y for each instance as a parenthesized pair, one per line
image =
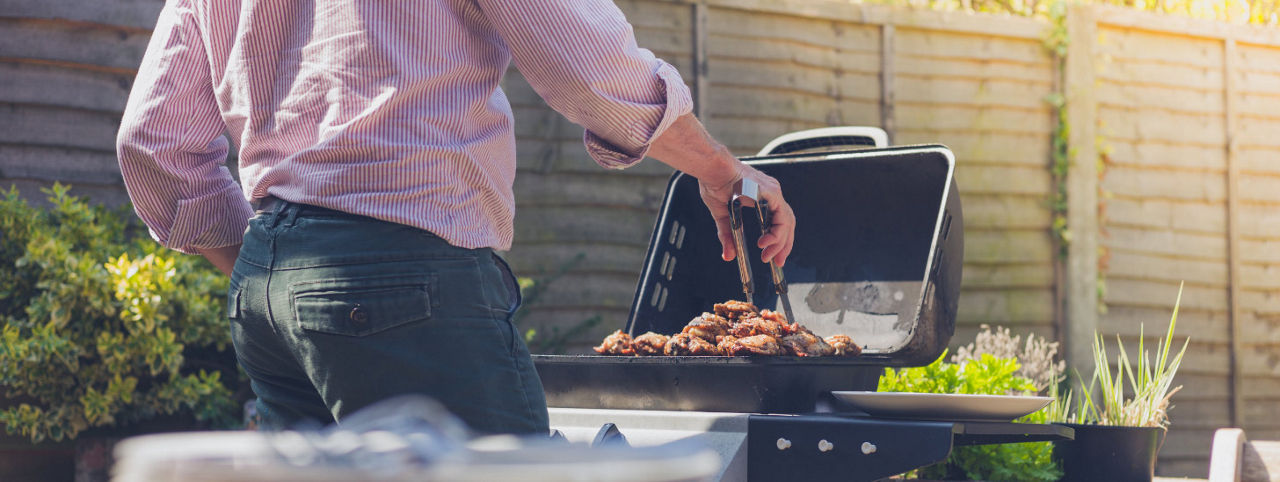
(984, 374)
(1037, 358)
(103, 327)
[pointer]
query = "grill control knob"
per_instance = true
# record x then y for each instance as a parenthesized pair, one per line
(825, 446)
(783, 443)
(868, 448)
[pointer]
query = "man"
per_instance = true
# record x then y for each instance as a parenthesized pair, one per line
(377, 159)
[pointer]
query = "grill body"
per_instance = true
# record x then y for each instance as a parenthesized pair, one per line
(878, 255)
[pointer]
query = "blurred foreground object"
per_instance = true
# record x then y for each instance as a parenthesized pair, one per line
(402, 439)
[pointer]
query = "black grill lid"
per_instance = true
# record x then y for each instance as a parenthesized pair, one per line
(878, 253)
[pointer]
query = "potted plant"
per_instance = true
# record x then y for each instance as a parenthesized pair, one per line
(103, 333)
(1121, 418)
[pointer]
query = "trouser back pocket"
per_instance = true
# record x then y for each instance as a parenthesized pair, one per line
(360, 306)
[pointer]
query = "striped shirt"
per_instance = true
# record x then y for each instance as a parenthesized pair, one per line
(388, 109)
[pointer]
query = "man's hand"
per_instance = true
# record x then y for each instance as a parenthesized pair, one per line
(778, 238)
(224, 258)
(687, 146)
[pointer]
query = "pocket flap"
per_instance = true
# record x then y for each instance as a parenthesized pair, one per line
(360, 306)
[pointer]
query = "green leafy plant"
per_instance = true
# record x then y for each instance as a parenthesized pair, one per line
(983, 374)
(103, 327)
(1031, 461)
(1150, 386)
(1037, 358)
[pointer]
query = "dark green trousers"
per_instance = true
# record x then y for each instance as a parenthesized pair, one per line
(331, 312)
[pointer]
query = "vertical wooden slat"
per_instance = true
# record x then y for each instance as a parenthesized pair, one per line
(1059, 259)
(886, 81)
(700, 78)
(1236, 317)
(1082, 188)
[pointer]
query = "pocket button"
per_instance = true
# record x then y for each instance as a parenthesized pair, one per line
(359, 315)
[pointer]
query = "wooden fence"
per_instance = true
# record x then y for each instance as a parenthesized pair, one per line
(1176, 179)
(1173, 129)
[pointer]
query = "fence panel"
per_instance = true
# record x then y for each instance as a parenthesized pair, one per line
(1185, 196)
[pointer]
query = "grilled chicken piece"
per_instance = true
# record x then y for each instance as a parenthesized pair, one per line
(843, 345)
(733, 310)
(756, 326)
(725, 343)
(708, 327)
(685, 344)
(773, 316)
(805, 343)
(757, 345)
(649, 344)
(618, 343)
(781, 320)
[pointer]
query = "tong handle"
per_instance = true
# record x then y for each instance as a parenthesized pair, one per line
(740, 242)
(779, 282)
(766, 220)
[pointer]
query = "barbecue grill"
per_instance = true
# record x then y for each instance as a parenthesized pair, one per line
(878, 255)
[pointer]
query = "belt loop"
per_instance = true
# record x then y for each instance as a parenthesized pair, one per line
(292, 217)
(277, 210)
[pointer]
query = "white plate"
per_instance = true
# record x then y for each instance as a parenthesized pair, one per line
(943, 406)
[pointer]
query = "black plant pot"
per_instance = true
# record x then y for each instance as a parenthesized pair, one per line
(1102, 452)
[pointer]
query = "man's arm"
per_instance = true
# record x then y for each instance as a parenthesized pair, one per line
(170, 146)
(582, 58)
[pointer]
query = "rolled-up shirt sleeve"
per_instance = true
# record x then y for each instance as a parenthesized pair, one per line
(170, 145)
(581, 57)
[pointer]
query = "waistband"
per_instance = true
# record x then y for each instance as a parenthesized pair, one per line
(271, 204)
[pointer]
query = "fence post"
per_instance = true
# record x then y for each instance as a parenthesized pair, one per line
(1082, 188)
(700, 80)
(1236, 315)
(887, 117)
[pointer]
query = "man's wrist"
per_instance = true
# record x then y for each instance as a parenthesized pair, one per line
(727, 171)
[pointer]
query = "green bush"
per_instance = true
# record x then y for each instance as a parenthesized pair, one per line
(985, 374)
(103, 327)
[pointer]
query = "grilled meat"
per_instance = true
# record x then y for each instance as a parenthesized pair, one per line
(781, 320)
(736, 328)
(843, 345)
(618, 343)
(754, 325)
(650, 344)
(757, 345)
(708, 327)
(725, 343)
(685, 344)
(805, 343)
(733, 310)
(773, 316)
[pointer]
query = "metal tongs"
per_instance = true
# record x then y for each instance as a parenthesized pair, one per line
(751, 190)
